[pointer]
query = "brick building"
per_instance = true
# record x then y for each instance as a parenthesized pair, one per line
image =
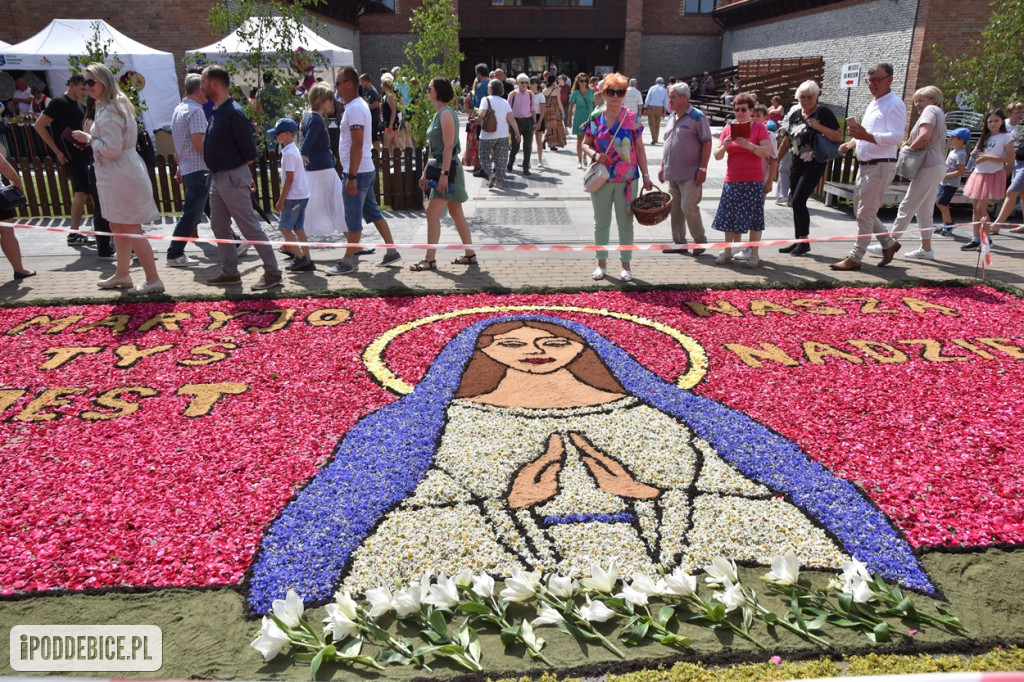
(642, 38)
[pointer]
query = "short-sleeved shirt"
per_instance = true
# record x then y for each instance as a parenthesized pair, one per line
(357, 117)
(538, 101)
(187, 119)
(955, 159)
(684, 143)
(480, 92)
(66, 113)
(522, 104)
(657, 96)
(316, 143)
(22, 107)
(937, 145)
(229, 142)
(744, 165)
(501, 111)
(628, 134)
(801, 135)
(291, 162)
(370, 95)
(995, 145)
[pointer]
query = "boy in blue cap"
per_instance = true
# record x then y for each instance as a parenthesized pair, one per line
(956, 166)
(294, 195)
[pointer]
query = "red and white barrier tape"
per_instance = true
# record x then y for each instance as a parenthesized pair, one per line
(485, 247)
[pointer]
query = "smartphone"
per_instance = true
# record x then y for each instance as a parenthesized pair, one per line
(850, 121)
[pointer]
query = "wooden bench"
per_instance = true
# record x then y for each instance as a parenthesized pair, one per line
(840, 178)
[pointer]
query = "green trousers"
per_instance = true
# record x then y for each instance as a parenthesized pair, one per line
(612, 196)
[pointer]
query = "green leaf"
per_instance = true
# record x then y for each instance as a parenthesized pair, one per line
(438, 623)
(881, 632)
(771, 618)
(509, 635)
(673, 640)
(473, 607)
(314, 665)
(665, 614)
(391, 657)
(845, 600)
(816, 623)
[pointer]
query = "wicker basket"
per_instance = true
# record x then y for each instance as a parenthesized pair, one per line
(653, 207)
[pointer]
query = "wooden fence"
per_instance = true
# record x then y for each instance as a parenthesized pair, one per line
(48, 189)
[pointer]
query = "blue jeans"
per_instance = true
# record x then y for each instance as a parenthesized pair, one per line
(197, 192)
(362, 205)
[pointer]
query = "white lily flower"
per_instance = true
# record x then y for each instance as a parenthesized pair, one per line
(521, 586)
(271, 640)
(562, 587)
(596, 611)
(720, 571)
(347, 605)
(289, 610)
(785, 569)
(444, 594)
(408, 601)
(464, 578)
(530, 638)
(381, 601)
(339, 623)
(647, 585)
(858, 586)
(483, 586)
(633, 595)
(547, 616)
(732, 596)
(681, 583)
(853, 568)
(602, 580)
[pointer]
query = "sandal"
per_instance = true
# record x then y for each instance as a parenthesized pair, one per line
(424, 265)
(464, 260)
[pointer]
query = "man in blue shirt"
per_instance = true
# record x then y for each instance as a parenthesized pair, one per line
(228, 149)
(657, 100)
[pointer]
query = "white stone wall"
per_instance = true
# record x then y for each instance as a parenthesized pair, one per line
(868, 32)
(677, 55)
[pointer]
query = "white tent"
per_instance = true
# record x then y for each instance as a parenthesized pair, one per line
(50, 50)
(233, 45)
(4, 45)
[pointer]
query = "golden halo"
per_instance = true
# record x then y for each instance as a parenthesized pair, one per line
(373, 356)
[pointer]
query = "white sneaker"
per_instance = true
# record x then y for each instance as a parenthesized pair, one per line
(182, 261)
(875, 249)
(156, 287)
(782, 201)
(921, 254)
(743, 254)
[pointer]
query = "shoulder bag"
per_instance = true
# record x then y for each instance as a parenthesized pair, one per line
(909, 161)
(824, 148)
(489, 123)
(597, 173)
(433, 168)
(11, 198)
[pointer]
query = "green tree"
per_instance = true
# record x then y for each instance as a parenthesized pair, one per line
(97, 49)
(433, 52)
(991, 72)
(275, 27)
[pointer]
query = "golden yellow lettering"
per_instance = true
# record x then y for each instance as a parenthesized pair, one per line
(112, 399)
(130, 353)
(708, 309)
(977, 350)
(870, 306)
(207, 395)
(816, 306)
(117, 324)
(931, 350)
(1001, 345)
(751, 357)
(51, 397)
(283, 319)
(168, 321)
(208, 354)
(62, 356)
(328, 317)
(919, 306)
(53, 326)
(883, 353)
(9, 396)
(220, 318)
(761, 308)
(817, 351)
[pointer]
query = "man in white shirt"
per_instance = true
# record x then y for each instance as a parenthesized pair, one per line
(634, 99)
(354, 148)
(657, 100)
(21, 101)
(876, 138)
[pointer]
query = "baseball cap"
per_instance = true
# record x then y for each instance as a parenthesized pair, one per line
(963, 133)
(659, 79)
(285, 125)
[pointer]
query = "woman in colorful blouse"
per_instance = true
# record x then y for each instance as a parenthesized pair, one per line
(614, 138)
(741, 208)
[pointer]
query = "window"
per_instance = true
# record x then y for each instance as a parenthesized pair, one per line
(539, 3)
(699, 6)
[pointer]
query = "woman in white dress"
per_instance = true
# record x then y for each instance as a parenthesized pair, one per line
(325, 213)
(122, 181)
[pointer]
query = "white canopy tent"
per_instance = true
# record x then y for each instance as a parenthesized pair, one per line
(50, 50)
(233, 45)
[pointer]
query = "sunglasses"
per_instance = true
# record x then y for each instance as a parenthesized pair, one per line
(89, 82)
(614, 93)
(741, 109)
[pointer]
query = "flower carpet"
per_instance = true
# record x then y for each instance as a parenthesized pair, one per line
(252, 447)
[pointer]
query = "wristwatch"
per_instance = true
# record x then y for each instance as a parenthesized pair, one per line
(444, 172)
(351, 176)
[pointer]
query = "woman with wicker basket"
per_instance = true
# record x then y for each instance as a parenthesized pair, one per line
(614, 138)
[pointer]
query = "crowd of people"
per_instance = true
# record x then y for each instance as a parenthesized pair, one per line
(510, 119)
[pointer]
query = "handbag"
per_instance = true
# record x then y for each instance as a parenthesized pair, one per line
(597, 173)
(433, 169)
(11, 198)
(489, 123)
(909, 161)
(824, 148)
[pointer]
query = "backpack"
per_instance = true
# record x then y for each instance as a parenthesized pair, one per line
(489, 124)
(144, 146)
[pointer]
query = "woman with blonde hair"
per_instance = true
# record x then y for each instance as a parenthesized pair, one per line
(325, 212)
(389, 113)
(122, 182)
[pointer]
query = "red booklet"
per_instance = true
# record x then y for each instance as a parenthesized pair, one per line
(739, 129)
